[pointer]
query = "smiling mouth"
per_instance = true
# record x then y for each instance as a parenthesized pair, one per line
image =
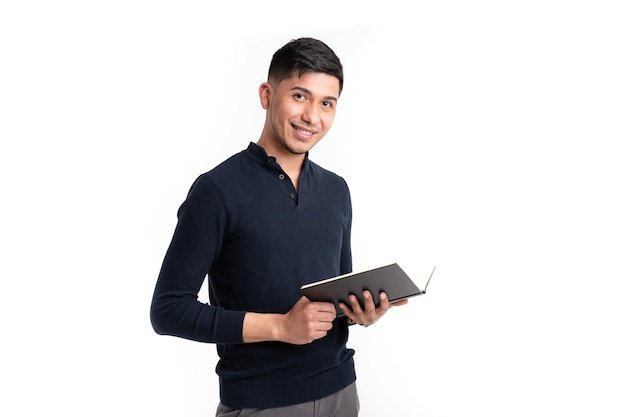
(304, 132)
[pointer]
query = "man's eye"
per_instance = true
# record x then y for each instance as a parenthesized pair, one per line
(327, 104)
(299, 96)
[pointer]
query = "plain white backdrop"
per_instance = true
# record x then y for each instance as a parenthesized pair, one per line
(484, 137)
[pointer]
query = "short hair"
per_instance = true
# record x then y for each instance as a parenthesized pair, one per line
(305, 55)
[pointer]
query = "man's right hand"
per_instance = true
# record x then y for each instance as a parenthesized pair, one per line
(305, 322)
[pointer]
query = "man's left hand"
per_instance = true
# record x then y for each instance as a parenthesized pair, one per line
(368, 314)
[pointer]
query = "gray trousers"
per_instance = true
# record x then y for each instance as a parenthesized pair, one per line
(344, 403)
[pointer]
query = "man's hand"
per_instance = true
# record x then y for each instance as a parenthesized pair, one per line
(305, 322)
(369, 313)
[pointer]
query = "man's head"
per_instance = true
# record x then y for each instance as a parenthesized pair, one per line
(300, 98)
(304, 55)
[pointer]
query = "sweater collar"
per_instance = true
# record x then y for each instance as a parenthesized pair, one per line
(258, 153)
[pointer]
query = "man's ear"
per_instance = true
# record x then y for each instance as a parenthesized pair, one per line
(265, 90)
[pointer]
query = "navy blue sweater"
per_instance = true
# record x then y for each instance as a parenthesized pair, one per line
(244, 225)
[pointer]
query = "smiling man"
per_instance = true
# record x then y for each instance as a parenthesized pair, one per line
(300, 110)
(259, 226)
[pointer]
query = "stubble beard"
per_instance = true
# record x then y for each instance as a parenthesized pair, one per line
(285, 144)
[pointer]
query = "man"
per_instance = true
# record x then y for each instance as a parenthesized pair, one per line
(260, 225)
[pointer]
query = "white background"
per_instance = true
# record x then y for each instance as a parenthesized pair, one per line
(483, 137)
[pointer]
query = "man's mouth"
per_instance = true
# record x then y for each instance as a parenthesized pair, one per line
(304, 133)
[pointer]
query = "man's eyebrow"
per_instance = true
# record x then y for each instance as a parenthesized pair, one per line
(308, 92)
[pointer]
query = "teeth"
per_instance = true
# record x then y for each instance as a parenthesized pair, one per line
(306, 132)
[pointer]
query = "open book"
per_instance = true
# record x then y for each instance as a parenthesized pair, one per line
(390, 278)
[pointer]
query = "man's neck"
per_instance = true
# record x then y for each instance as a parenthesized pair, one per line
(290, 163)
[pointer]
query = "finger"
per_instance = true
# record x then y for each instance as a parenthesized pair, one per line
(399, 303)
(356, 305)
(328, 316)
(348, 312)
(324, 307)
(368, 302)
(384, 301)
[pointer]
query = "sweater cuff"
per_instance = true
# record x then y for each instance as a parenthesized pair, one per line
(230, 328)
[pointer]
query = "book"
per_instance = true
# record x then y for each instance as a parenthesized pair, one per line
(389, 278)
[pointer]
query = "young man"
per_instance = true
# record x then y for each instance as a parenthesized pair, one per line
(260, 225)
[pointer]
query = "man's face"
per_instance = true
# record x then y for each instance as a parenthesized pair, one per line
(300, 110)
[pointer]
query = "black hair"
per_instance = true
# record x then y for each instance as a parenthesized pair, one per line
(305, 55)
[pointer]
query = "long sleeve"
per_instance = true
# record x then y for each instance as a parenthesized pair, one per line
(175, 308)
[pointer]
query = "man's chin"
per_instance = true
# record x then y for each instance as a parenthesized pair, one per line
(299, 150)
